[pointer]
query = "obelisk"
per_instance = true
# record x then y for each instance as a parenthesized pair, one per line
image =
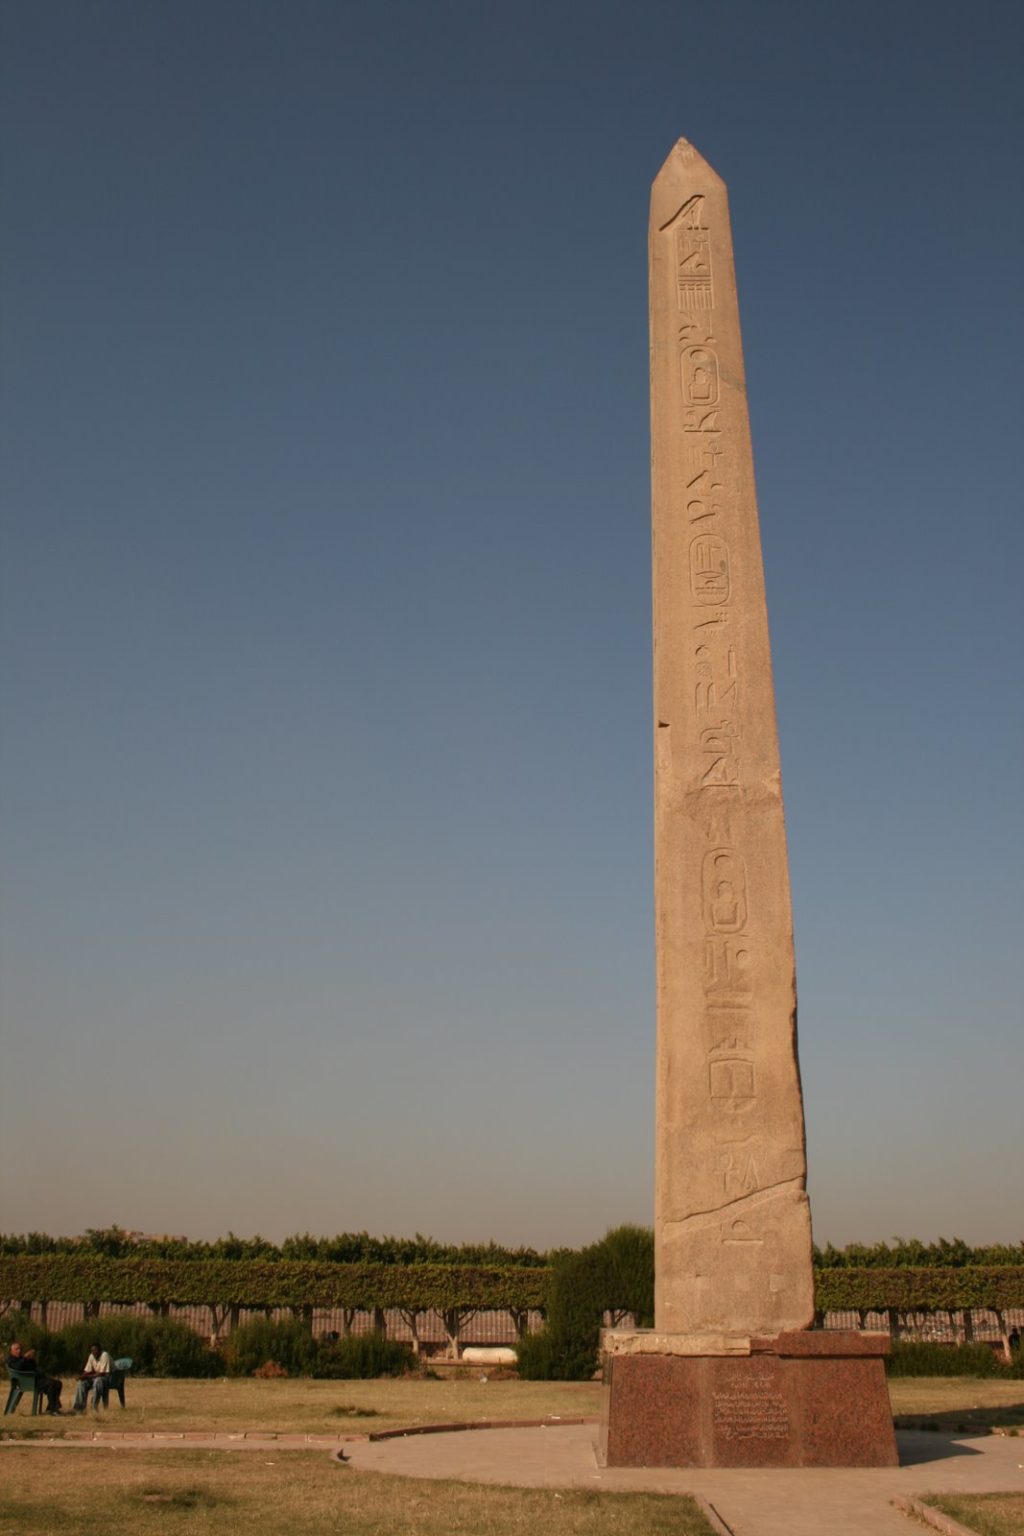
(732, 1374)
(732, 1222)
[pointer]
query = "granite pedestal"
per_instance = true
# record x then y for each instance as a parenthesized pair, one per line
(811, 1398)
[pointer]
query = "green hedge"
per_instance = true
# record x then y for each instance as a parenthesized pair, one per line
(624, 1261)
(277, 1283)
(906, 1289)
(913, 1357)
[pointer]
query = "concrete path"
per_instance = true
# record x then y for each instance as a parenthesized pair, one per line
(810, 1502)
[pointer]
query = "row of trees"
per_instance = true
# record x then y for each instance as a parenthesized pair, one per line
(345, 1248)
(904, 1253)
(361, 1248)
(574, 1290)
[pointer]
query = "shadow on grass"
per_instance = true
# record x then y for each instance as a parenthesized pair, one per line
(196, 1496)
(966, 1421)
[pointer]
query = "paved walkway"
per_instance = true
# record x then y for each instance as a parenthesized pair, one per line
(762, 1502)
(808, 1502)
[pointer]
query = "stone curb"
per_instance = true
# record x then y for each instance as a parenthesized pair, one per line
(282, 1441)
(443, 1429)
(712, 1516)
(933, 1517)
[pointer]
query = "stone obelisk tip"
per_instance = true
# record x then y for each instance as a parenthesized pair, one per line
(684, 171)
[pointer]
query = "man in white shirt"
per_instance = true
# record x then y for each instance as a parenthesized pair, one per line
(97, 1376)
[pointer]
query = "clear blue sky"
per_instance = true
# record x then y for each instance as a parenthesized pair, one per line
(326, 779)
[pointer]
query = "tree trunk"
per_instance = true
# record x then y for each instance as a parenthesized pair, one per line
(218, 1317)
(455, 1319)
(1004, 1334)
(520, 1321)
(411, 1318)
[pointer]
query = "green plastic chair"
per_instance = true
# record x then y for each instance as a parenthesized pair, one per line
(23, 1382)
(116, 1378)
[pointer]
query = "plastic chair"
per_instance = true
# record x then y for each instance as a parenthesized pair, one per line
(115, 1380)
(23, 1382)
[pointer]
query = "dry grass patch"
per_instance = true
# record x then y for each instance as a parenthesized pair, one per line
(948, 1402)
(321, 1407)
(990, 1514)
(203, 1493)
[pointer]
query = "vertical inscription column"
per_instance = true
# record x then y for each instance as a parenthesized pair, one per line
(732, 1224)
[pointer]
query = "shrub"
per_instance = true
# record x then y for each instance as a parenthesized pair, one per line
(536, 1356)
(270, 1372)
(629, 1254)
(364, 1355)
(579, 1296)
(614, 1275)
(173, 1349)
(911, 1357)
(158, 1346)
(288, 1343)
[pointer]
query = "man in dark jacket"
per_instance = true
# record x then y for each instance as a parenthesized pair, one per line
(25, 1361)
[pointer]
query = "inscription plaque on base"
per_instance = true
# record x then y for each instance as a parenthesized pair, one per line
(817, 1399)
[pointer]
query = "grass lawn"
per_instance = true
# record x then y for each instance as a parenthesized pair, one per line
(317, 1407)
(990, 1514)
(355, 1407)
(949, 1401)
(204, 1493)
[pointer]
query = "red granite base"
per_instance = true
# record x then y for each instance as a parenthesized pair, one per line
(814, 1399)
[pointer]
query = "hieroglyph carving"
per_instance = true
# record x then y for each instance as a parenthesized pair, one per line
(693, 258)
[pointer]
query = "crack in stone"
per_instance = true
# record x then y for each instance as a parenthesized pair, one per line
(697, 1220)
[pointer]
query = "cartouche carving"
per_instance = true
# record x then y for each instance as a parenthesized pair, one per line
(725, 891)
(709, 569)
(699, 376)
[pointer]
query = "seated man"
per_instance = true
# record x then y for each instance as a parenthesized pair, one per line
(25, 1361)
(97, 1376)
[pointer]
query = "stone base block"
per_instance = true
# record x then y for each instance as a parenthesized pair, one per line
(810, 1399)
